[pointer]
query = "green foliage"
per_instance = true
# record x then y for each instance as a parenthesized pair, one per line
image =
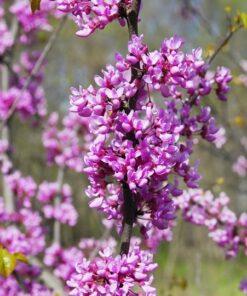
(9, 261)
(243, 19)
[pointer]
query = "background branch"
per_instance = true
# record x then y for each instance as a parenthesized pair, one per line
(7, 193)
(48, 277)
(57, 201)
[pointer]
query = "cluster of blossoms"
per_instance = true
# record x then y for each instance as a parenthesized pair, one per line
(23, 30)
(30, 240)
(63, 261)
(143, 115)
(29, 23)
(240, 166)
(11, 286)
(25, 231)
(120, 275)
(222, 79)
(7, 39)
(138, 144)
(64, 211)
(155, 236)
(225, 228)
(90, 15)
(65, 147)
(26, 192)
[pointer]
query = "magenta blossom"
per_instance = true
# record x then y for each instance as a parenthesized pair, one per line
(138, 144)
(108, 275)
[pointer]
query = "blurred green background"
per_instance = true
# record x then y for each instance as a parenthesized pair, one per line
(191, 265)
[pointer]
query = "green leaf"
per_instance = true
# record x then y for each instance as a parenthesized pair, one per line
(35, 5)
(7, 263)
(243, 18)
(21, 257)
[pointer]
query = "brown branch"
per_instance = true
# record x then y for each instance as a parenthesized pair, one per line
(132, 14)
(129, 207)
(129, 212)
(221, 45)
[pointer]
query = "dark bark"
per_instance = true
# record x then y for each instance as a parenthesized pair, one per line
(129, 208)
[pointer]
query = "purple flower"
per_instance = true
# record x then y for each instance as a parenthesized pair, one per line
(136, 141)
(92, 15)
(108, 275)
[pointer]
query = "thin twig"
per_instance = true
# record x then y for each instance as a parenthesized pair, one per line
(57, 201)
(221, 45)
(205, 24)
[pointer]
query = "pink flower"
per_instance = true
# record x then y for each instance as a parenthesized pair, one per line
(92, 15)
(108, 275)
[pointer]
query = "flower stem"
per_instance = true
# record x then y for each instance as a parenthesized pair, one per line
(129, 207)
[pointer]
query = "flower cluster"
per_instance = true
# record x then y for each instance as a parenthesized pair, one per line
(29, 101)
(225, 228)
(91, 15)
(137, 144)
(7, 38)
(65, 147)
(28, 241)
(30, 238)
(138, 125)
(24, 231)
(63, 211)
(222, 79)
(11, 286)
(155, 236)
(108, 275)
(30, 22)
(24, 188)
(63, 261)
